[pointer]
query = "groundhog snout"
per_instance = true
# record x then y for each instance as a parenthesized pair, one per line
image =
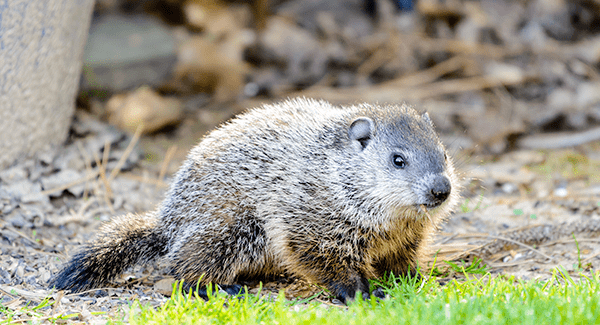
(439, 191)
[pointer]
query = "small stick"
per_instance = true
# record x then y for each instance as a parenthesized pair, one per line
(143, 179)
(102, 169)
(88, 167)
(66, 186)
(589, 258)
(5, 225)
(168, 157)
(510, 241)
(128, 150)
(104, 165)
(59, 296)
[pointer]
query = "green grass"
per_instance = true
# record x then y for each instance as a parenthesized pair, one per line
(483, 300)
(477, 298)
(568, 164)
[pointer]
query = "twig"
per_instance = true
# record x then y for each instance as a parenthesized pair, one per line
(5, 225)
(590, 257)
(105, 181)
(567, 241)
(168, 157)
(457, 255)
(447, 239)
(105, 155)
(37, 297)
(126, 153)
(429, 75)
(510, 241)
(88, 167)
(559, 139)
(59, 296)
(499, 265)
(143, 179)
(66, 186)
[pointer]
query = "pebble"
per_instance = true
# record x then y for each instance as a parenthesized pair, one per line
(12, 174)
(17, 221)
(561, 192)
(143, 107)
(61, 178)
(509, 188)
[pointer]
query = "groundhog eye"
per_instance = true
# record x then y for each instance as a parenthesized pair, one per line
(398, 161)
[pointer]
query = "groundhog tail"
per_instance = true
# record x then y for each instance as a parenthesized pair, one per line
(120, 244)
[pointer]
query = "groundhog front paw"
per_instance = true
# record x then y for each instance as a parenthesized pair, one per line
(230, 289)
(379, 293)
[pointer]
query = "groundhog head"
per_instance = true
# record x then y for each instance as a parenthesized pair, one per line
(407, 164)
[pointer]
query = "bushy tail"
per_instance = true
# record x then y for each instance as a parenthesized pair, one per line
(120, 244)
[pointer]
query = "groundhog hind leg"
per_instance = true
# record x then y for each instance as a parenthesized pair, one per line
(219, 256)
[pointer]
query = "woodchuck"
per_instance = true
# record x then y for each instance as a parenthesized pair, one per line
(336, 195)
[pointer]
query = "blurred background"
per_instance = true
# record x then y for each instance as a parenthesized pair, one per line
(491, 73)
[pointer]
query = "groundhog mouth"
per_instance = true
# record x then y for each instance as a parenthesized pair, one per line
(427, 207)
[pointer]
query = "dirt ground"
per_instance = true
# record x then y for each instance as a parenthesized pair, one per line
(512, 87)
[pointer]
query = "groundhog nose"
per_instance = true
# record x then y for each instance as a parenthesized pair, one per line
(440, 189)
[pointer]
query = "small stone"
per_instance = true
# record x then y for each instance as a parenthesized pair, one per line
(143, 107)
(20, 271)
(45, 275)
(17, 221)
(65, 176)
(16, 173)
(588, 93)
(509, 188)
(31, 280)
(165, 286)
(561, 98)
(561, 192)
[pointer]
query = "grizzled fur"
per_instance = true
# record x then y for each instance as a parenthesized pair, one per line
(333, 194)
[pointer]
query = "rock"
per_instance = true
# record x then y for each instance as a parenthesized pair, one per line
(62, 178)
(165, 286)
(588, 93)
(143, 107)
(16, 220)
(560, 192)
(15, 173)
(561, 99)
(26, 191)
(124, 52)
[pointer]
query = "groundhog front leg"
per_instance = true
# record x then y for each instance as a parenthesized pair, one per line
(331, 264)
(345, 285)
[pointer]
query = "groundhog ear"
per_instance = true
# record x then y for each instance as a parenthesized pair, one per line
(362, 130)
(426, 118)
